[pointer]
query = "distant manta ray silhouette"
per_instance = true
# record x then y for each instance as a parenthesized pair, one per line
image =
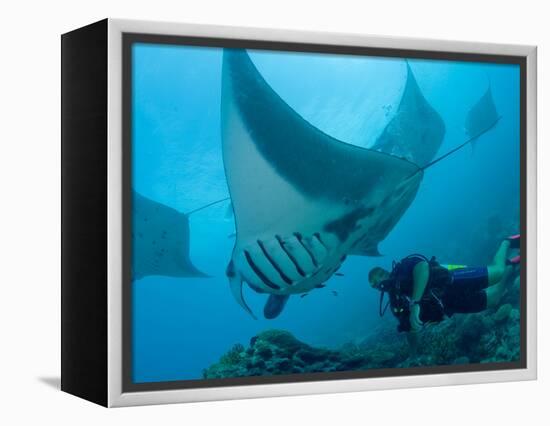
(482, 116)
(303, 200)
(160, 236)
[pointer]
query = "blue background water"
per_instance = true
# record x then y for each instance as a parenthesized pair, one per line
(182, 325)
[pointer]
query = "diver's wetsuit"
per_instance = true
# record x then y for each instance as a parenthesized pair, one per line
(466, 291)
(461, 290)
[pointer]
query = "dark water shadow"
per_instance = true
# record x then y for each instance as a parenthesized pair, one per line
(53, 382)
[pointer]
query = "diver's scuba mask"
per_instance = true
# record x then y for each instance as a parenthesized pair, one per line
(384, 285)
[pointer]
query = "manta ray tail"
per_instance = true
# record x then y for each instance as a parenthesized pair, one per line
(198, 209)
(457, 148)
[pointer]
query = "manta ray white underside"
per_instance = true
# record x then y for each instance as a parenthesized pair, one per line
(302, 200)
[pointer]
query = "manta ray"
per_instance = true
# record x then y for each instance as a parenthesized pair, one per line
(416, 131)
(160, 240)
(482, 116)
(303, 200)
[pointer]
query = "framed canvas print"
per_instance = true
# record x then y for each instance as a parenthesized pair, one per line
(253, 212)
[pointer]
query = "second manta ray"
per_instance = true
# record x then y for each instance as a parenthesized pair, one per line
(303, 200)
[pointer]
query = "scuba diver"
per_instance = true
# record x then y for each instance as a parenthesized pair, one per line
(422, 291)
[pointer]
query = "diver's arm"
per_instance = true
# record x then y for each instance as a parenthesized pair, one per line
(421, 274)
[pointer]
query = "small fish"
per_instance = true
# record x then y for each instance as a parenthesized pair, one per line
(303, 295)
(334, 292)
(320, 286)
(339, 274)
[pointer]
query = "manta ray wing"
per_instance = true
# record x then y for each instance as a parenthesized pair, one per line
(302, 199)
(160, 237)
(416, 130)
(482, 117)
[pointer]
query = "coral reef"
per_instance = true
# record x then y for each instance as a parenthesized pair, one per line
(489, 336)
(279, 352)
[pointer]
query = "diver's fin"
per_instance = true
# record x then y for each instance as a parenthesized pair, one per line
(275, 305)
(514, 241)
(236, 285)
(365, 251)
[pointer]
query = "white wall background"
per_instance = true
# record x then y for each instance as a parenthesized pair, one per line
(30, 199)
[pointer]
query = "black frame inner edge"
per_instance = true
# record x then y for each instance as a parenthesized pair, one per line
(128, 39)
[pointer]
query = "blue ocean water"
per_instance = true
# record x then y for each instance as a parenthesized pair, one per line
(183, 325)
